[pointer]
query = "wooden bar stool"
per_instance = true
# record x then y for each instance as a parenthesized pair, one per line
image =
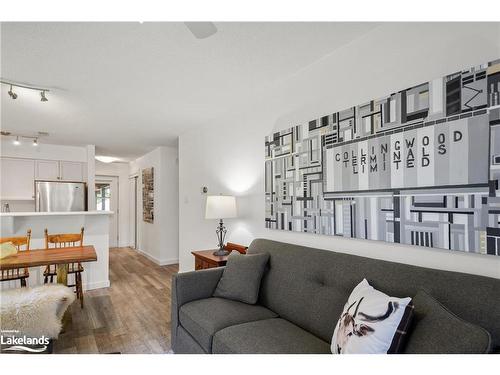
(19, 273)
(62, 241)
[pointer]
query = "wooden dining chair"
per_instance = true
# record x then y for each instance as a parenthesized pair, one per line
(21, 274)
(76, 269)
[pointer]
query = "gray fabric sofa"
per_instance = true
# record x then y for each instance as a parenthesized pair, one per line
(302, 295)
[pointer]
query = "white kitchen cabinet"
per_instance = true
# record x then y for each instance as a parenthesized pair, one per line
(55, 170)
(47, 170)
(72, 171)
(17, 182)
(18, 175)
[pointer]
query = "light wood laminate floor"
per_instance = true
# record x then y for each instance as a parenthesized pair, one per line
(131, 316)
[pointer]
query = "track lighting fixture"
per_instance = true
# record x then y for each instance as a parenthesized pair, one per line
(13, 95)
(16, 138)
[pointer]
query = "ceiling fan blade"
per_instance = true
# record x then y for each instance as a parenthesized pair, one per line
(201, 30)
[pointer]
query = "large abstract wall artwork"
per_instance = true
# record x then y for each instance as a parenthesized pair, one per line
(148, 194)
(419, 167)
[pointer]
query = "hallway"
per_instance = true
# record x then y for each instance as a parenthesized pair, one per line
(131, 316)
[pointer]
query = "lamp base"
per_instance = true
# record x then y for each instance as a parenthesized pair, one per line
(221, 253)
(221, 235)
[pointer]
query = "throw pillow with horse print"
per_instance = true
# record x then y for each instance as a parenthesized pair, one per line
(371, 322)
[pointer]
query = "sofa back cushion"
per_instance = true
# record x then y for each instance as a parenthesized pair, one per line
(241, 278)
(436, 330)
(309, 286)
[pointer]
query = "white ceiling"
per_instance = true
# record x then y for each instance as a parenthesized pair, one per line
(129, 87)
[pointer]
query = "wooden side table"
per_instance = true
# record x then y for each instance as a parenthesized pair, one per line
(206, 259)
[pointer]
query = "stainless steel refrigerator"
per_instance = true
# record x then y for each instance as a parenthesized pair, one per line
(51, 196)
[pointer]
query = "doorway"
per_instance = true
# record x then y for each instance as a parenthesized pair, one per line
(133, 202)
(106, 198)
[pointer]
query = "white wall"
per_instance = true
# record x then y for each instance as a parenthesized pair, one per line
(120, 170)
(160, 240)
(91, 203)
(228, 155)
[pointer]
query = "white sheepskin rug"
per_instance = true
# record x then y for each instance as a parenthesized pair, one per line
(35, 312)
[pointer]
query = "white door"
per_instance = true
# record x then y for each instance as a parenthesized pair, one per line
(138, 212)
(47, 170)
(72, 171)
(17, 179)
(106, 191)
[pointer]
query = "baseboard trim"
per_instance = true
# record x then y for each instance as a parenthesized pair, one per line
(160, 262)
(96, 285)
(168, 262)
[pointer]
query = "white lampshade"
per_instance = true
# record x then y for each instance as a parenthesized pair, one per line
(220, 207)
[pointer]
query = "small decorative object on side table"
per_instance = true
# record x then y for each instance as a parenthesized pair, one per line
(206, 259)
(220, 207)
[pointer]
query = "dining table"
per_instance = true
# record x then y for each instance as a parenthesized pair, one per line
(61, 257)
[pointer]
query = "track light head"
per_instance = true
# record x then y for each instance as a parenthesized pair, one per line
(35, 142)
(43, 91)
(16, 141)
(12, 94)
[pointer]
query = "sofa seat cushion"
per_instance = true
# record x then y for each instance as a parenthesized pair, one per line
(204, 317)
(270, 336)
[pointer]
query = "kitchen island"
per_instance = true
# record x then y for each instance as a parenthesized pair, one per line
(96, 224)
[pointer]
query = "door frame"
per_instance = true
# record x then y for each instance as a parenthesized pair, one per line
(108, 178)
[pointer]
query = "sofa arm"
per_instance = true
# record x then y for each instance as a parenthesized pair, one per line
(191, 286)
(194, 285)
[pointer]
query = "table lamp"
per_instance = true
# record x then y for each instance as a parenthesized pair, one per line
(220, 207)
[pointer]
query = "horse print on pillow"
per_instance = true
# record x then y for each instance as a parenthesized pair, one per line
(370, 322)
(349, 325)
